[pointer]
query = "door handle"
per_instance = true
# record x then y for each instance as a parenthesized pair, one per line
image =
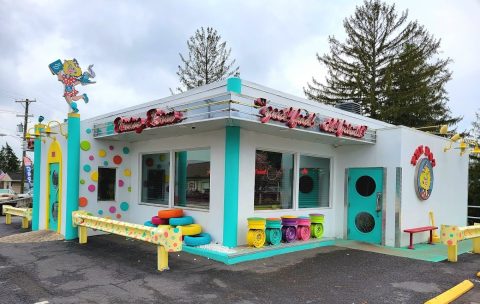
(379, 201)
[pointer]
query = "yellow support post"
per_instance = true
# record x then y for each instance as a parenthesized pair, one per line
(452, 294)
(8, 219)
(452, 253)
(24, 222)
(476, 245)
(82, 234)
(162, 258)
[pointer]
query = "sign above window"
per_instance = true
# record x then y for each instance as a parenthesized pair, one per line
(294, 117)
(155, 118)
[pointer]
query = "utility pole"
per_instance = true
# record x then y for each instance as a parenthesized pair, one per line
(25, 128)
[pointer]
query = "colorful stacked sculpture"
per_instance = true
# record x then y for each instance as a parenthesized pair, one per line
(274, 231)
(316, 228)
(256, 232)
(303, 229)
(289, 229)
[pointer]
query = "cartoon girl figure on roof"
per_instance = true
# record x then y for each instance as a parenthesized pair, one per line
(70, 74)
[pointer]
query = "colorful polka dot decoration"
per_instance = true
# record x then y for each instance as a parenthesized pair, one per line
(112, 209)
(100, 212)
(105, 163)
(91, 188)
(102, 153)
(127, 172)
(91, 157)
(111, 148)
(117, 159)
(82, 181)
(85, 145)
(118, 216)
(126, 150)
(124, 206)
(120, 183)
(129, 189)
(87, 168)
(82, 201)
(94, 176)
(88, 131)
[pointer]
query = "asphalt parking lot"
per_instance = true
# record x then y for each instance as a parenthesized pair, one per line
(111, 269)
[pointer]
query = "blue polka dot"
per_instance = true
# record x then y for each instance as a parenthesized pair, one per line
(124, 206)
(100, 212)
(88, 131)
(126, 150)
(87, 168)
(105, 163)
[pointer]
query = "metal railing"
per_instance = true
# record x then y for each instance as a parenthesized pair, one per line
(473, 219)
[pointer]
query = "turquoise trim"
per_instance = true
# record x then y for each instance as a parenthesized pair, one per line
(182, 162)
(234, 84)
(37, 164)
(230, 200)
(73, 173)
(262, 253)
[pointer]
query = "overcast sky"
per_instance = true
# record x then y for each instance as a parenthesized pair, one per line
(135, 44)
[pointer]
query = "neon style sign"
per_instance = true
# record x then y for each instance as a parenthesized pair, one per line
(341, 127)
(155, 118)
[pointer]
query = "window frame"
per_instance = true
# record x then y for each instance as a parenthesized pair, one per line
(330, 181)
(140, 179)
(115, 194)
(172, 180)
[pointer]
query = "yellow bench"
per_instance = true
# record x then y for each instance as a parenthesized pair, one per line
(25, 213)
(167, 239)
(451, 235)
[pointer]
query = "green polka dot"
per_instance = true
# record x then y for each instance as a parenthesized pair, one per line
(87, 168)
(105, 163)
(82, 181)
(85, 145)
(126, 150)
(129, 189)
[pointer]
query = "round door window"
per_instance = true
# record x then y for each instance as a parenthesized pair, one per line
(365, 185)
(305, 184)
(364, 222)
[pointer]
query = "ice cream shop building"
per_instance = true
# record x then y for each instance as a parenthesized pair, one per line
(233, 150)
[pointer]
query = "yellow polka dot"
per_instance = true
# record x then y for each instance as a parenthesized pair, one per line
(94, 176)
(102, 153)
(127, 172)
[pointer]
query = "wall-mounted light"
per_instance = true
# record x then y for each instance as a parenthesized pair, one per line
(453, 139)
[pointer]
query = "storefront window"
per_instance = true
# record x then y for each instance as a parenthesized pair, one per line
(192, 178)
(273, 180)
(314, 182)
(106, 184)
(155, 176)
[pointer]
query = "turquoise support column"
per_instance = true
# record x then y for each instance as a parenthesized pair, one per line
(73, 173)
(234, 84)
(181, 178)
(230, 201)
(37, 166)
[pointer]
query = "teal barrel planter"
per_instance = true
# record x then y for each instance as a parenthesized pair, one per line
(316, 228)
(274, 231)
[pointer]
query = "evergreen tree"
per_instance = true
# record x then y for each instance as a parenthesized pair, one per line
(386, 65)
(8, 160)
(207, 62)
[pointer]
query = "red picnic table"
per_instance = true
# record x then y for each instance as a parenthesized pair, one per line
(420, 229)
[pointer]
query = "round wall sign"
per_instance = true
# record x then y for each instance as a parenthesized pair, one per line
(424, 179)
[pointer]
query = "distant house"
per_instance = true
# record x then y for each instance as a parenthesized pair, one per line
(12, 180)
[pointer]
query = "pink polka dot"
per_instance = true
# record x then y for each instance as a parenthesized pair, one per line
(111, 148)
(91, 188)
(112, 209)
(91, 157)
(120, 183)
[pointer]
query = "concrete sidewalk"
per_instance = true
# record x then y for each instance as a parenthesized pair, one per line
(111, 269)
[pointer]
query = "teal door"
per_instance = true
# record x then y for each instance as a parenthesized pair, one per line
(53, 197)
(364, 204)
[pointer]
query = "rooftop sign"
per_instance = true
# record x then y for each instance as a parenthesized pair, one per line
(155, 118)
